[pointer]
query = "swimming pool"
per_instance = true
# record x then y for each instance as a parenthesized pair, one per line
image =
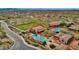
(37, 37)
(57, 30)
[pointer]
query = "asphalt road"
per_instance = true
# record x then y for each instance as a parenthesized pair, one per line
(19, 44)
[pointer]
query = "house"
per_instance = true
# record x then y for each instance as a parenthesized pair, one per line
(74, 27)
(68, 24)
(54, 39)
(64, 38)
(37, 29)
(55, 23)
(61, 47)
(75, 44)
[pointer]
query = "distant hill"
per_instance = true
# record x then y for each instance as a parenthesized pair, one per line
(17, 9)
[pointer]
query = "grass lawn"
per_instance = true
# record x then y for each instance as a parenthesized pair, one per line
(31, 23)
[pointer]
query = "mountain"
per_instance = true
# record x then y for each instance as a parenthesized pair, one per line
(17, 9)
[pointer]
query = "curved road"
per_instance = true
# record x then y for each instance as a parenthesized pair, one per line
(19, 44)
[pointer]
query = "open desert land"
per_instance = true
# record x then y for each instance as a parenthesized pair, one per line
(5, 41)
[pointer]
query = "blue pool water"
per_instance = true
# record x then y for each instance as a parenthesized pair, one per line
(57, 30)
(42, 39)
